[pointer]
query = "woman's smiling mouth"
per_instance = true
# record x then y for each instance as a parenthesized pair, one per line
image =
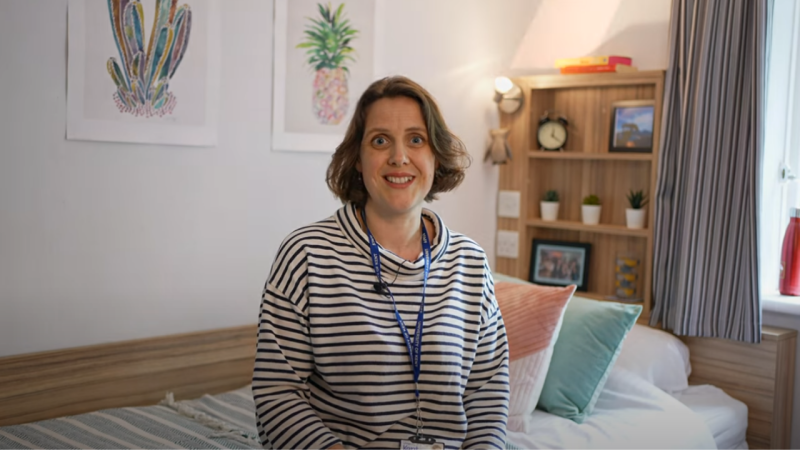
(399, 179)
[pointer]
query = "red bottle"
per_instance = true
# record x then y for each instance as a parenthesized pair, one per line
(790, 256)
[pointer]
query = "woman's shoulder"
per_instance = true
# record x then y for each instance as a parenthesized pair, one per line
(318, 232)
(464, 245)
(296, 246)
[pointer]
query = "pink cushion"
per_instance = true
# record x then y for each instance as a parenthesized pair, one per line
(532, 316)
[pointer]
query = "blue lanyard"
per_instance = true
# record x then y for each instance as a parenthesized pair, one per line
(414, 349)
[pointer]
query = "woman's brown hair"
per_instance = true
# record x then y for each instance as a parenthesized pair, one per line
(448, 150)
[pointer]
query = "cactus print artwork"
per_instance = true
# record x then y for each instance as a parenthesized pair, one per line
(142, 75)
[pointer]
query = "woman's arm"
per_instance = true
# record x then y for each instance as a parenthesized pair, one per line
(487, 392)
(284, 361)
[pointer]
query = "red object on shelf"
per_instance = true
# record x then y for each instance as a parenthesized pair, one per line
(790, 257)
(599, 68)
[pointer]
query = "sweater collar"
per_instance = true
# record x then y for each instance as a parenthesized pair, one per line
(347, 218)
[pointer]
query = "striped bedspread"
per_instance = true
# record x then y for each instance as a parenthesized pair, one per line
(219, 421)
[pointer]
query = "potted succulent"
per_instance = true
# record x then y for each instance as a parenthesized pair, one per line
(635, 215)
(590, 210)
(549, 205)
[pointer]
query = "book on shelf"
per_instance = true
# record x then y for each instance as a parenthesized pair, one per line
(618, 68)
(593, 61)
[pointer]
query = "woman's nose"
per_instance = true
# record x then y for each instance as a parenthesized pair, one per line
(398, 155)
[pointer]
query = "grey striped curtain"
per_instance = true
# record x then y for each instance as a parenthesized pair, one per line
(705, 268)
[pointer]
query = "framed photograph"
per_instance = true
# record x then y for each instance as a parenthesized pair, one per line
(632, 126)
(324, 58)
(559, 263)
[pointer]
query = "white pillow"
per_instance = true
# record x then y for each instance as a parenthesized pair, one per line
(532, 315)
(657, 356)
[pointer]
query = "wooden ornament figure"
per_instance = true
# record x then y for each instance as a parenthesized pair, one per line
(499, 151)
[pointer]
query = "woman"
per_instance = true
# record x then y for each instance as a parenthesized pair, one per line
(334, 366)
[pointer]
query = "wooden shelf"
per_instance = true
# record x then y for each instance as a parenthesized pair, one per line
(618, 230)
(585, 156)
(590, 80)
(585, 167)
(604, 297)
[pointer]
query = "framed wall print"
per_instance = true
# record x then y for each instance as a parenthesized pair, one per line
(632, 126)
(560, 263)
(324, 58)
(143, 72)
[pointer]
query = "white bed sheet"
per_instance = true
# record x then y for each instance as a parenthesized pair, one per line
(725, 416)
(630, 413)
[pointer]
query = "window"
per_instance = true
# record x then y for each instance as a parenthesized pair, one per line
(779, 191)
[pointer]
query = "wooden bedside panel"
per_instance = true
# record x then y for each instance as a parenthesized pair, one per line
(759, 375)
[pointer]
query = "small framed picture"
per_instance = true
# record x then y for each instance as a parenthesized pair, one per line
(559, 263)
(632, 126)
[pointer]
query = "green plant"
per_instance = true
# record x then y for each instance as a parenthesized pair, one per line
(591, 200)
(550, 196)
(637, 199)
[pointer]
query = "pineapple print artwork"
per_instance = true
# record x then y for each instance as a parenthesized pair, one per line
(327, 40)
(142, 76)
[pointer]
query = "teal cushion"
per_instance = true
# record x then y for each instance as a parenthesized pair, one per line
(589, 342)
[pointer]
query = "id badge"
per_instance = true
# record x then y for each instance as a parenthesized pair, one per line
(420, 442)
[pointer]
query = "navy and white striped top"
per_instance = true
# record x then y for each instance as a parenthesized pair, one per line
(332, 365)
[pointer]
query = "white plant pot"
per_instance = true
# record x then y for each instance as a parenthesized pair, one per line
(635, 217)
(590, 214)
(549, 210)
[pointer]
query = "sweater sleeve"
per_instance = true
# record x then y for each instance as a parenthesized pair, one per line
(284, 361)
(487, 393)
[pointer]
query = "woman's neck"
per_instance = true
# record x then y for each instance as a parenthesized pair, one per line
(401, 234)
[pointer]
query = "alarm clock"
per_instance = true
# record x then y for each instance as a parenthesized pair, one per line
(552, 133)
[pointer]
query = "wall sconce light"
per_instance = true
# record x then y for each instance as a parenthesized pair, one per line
(507, 95)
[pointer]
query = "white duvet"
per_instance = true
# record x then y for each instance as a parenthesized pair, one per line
(630, 413)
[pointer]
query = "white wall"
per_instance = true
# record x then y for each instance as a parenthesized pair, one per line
(104, 242)
(568, 28)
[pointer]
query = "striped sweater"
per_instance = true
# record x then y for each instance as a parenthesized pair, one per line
(332, 366)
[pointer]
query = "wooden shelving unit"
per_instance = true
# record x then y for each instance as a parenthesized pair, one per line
(619, 230)
(584, 167)
(538, 154)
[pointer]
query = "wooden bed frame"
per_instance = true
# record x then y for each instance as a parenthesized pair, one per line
(57, 383)
(761, 376)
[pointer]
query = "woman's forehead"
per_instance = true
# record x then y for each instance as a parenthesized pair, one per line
(395, 114)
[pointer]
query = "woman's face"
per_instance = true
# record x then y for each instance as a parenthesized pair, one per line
(396, 160)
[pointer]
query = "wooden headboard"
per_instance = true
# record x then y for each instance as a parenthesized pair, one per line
(51, 384)
(57, 383)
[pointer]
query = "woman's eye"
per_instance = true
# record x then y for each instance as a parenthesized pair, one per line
(379, 141)
(417, 140)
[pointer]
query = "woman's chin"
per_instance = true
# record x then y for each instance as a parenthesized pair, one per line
(399, 206)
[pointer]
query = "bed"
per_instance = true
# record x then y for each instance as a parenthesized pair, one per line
(74, 398)
(630, 414)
